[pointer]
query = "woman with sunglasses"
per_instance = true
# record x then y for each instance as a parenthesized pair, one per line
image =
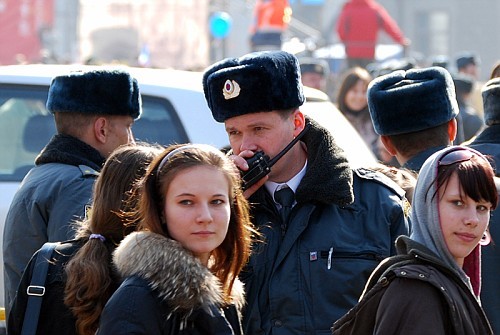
(180, 268)
(432, 285)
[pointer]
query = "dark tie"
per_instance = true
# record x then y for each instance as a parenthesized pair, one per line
(285, 197)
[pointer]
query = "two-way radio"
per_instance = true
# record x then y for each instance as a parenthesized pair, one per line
(259, 165)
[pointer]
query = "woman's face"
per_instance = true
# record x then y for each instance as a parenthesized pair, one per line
(197, 209)
(463, 220)
(356, 99)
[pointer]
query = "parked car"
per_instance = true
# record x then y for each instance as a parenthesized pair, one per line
(174, 111)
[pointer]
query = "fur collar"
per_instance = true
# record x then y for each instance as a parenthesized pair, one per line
(329, 177)
(172, 271)
(69, 150)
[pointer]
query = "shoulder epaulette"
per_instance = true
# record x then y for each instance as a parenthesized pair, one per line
(88, 171)
(381, 179)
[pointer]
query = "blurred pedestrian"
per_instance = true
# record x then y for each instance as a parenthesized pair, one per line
(325, 225)
(270, 21)
(94, 112)
(353, 103)
(181, 266)
(469, 122)
(80, 277)
(358, 26)
(314, 73)
(468, 63)
(414, 112)
(488, 143)
(432, 285)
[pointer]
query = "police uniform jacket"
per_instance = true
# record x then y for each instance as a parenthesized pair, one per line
(344, 223)
(488, 143)
(166, 290)
(55, 193)
(418, 296)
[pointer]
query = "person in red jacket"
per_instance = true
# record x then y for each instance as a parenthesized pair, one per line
(358, 26)
(270, 20)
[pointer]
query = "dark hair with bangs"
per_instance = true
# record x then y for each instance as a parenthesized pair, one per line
(475, 176)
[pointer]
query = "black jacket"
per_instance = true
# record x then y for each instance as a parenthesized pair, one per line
(55, 317)
(167, 291)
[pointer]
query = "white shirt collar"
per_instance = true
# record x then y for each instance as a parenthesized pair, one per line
(293, 183)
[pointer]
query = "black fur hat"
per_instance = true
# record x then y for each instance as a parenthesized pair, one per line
(100, 92)
(491, 101)
(407, 101)
(257, 82)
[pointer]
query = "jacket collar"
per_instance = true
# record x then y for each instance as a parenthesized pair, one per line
(172, 271)
(328, 178)
(69, 150)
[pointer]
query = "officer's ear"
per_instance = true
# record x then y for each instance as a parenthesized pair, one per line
(101, 129)
(389, 146)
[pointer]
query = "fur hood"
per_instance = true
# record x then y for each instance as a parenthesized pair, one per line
(173, 272)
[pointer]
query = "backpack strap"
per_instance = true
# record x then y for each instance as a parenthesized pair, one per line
(385, 266)
(36, 290)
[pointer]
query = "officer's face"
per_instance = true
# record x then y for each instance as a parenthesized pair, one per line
(119, 132)
(267, 131)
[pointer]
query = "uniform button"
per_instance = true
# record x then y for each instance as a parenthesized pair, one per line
(278, 323)
(403, 273)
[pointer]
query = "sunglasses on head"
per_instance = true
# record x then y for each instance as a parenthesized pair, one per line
(456, 156)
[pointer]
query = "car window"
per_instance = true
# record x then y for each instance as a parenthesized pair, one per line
(159, 123)
(26, 127)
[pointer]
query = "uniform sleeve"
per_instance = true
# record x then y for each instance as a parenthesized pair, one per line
(411, 307)
(131, 309)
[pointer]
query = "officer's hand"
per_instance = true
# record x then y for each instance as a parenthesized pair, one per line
(241, 163)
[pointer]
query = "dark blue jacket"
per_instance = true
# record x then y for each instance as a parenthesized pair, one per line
(488, 143)
(344, 223)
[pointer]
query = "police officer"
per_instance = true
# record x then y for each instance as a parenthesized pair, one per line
(324, 225)
(94, 112)
(414, 112)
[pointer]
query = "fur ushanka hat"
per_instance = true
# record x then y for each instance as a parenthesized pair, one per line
(257, 82)
(408, 101)
(491, 101)
(97, 92)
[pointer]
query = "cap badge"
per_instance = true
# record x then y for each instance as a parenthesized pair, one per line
(231, 89)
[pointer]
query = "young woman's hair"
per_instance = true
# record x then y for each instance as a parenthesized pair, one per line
(351, 77)
(90, 278)
(475, 175)
(230, 257)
